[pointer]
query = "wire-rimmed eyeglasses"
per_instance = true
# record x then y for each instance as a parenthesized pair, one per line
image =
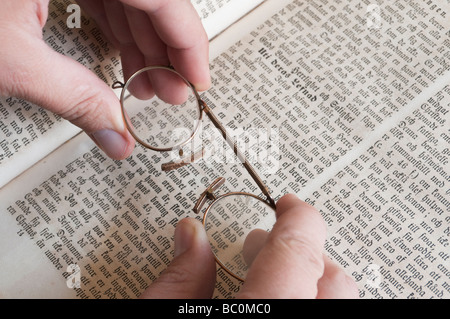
(163, 111)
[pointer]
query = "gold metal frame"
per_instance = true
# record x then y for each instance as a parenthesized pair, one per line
(208, 194)
(123, 96)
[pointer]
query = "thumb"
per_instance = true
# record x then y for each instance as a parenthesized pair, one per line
(192, 273)
(33, 71)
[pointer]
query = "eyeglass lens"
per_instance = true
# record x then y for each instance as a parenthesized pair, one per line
(161, 109)
(229, 222)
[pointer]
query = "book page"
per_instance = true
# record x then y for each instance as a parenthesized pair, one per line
(387, 208)
(339, 86)
(113, 221)
(217, 15)
(359, 119)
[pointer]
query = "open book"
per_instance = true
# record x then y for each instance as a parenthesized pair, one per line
(357, 95)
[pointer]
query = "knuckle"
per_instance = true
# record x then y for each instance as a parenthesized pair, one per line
(88, 108)
(15, 82)
(175, 275)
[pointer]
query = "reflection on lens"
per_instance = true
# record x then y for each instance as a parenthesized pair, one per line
(161, 108)
(228, 221)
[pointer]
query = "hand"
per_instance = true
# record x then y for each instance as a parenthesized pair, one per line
(146, 32)
(290, 263)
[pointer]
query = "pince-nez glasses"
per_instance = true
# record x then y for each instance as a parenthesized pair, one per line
(163, 112)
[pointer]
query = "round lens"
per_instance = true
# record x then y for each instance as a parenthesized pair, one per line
(229, 221)
(160, 108)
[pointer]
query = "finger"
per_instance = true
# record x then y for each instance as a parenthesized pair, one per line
(335, 284)
(253, 244)
(179, 27)
(146, 38)
(192, 273)
(65, 87)
(165, 85)
(169, 86)
(132, 58)
(57, 83)
(96, 10)
(112, 20)
(291, 262)
(151, 48)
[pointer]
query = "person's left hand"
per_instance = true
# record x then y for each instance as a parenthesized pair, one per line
(147, 32)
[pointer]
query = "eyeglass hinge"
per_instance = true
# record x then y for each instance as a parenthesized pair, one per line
(208, 194)
(204, 106)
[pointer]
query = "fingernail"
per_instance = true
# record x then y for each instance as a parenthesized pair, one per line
(111, 142)
(184, 237)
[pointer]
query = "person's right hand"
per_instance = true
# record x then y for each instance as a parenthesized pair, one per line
(290, 262)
